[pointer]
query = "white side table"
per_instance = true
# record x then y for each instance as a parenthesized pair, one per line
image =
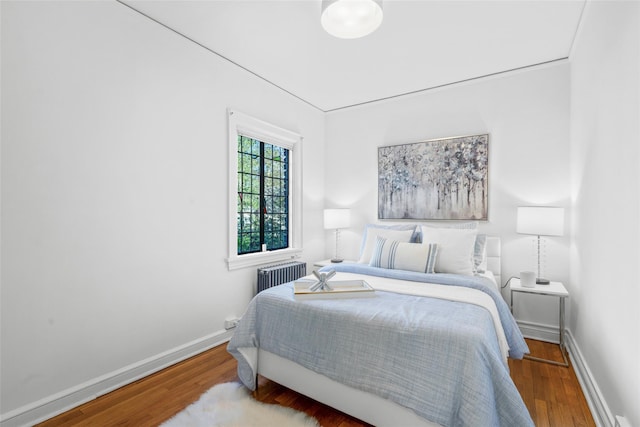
(326, 262)
(555, 289)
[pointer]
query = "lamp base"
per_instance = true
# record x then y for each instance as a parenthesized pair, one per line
(541, 281)
(336, 260)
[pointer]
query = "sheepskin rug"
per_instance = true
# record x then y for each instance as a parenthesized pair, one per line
(231, 405)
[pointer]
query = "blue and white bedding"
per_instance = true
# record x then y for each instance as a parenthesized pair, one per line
(441, 358)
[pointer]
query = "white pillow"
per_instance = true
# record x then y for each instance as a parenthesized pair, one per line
(370, 240)
(480, 254)
(472, 225)
(404, 256)
(414, 227)
(455, 249)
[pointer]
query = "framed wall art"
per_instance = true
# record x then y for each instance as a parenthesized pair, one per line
(440, 179)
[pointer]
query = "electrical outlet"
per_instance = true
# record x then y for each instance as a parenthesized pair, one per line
(231, 323)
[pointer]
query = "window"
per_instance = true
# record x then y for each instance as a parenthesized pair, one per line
(263, 196)
(264, 193)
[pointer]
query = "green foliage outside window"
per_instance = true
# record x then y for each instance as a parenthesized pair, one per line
(263, 196)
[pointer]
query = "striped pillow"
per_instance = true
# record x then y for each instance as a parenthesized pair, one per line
(404, 256)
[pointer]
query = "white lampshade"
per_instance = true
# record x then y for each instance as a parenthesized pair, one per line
(337, 218)
(540, 220)
(350, 19)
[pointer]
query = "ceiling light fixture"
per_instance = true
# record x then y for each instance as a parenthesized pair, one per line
(350, 19)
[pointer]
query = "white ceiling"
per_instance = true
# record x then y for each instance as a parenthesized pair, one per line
(421, 44)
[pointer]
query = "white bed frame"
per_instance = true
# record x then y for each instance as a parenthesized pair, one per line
(365, 406)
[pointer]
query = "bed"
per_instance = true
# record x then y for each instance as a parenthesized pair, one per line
(427, 349)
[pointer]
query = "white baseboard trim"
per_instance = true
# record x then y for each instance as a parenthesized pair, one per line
(65, 400)
(602, 415)
(538, 331)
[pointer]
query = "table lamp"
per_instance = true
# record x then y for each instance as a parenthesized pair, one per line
(337, 219)
(540, 221)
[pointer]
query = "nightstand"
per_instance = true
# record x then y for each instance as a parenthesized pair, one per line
(554, 289)
(326, 262)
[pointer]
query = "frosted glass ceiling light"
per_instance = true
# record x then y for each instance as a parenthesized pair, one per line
(350, 19)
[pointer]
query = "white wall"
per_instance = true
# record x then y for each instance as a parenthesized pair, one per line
(605, 140)
(114, 190)
(527, 117)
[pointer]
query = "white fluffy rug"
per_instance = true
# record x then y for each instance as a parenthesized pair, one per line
(231, 405)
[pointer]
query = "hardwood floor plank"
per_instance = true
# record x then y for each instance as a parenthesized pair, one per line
(552, 394)
(542, 414)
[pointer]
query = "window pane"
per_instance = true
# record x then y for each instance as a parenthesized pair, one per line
(268, 186)
(255, 207)
(242, 159)
(245, 144)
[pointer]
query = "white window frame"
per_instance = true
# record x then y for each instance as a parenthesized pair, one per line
(240, 123)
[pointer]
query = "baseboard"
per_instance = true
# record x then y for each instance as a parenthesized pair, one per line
(539, 331)
(68, 399)
(602, 415)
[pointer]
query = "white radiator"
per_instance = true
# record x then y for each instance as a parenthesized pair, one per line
(276, 274)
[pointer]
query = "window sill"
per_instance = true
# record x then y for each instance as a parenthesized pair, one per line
(259, 258)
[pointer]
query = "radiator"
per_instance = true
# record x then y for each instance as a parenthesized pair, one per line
(276, 274)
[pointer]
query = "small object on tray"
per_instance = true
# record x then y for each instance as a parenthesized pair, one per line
(321, 284)
(302, 289)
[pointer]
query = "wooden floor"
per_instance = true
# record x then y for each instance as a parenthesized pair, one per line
(552, 394)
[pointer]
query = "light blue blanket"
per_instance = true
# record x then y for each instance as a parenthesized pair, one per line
(517, 345)
(437, 357)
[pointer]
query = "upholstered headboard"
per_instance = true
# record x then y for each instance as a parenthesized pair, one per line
(493, 257)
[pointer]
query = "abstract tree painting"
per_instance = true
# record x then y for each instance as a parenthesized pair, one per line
(441, 179)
